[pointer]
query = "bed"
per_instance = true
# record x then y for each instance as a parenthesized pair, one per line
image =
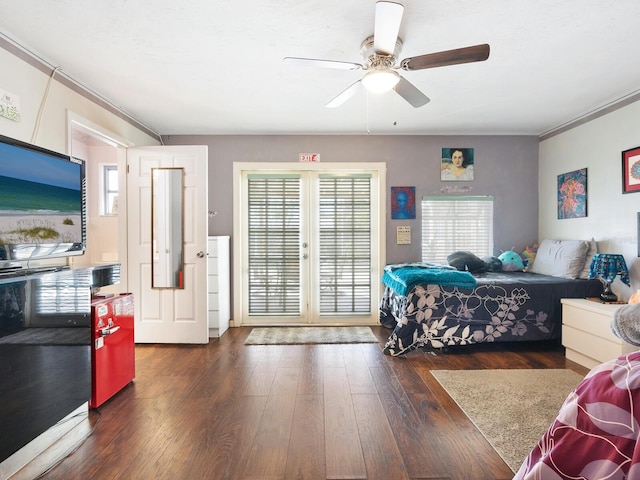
(600, 420)
(488, 307)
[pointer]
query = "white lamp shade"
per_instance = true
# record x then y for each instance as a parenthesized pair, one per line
(380, 81)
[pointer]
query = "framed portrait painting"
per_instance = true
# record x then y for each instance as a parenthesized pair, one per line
(403, 203)
(631, 170)
(457, 164)
(572, 194)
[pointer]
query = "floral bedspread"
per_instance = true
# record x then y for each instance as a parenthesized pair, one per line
(596, 432)
(505, 306)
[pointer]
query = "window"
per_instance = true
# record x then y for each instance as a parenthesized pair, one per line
(109, 189)
(451, 224)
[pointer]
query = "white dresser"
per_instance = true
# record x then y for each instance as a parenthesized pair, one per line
(586, 332)
(218, 285)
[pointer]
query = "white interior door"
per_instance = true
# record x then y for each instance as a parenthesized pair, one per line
(168, 315)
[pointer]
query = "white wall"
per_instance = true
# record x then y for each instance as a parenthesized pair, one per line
(611, 215)
(30, 85)
(102, 230)
(45, 107)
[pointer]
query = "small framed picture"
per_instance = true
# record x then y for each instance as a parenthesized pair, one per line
(403, 203)
(572, 194)
(457, 164)
(631, 170)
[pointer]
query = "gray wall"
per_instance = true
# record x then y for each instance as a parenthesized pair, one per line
(506, 167)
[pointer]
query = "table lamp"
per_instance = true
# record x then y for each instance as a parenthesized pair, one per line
(607, 266)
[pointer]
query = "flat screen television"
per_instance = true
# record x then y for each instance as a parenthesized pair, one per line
(42, 204)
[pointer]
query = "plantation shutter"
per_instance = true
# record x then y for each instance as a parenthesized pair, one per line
(345, 244)
(451, 224)
(274, 244)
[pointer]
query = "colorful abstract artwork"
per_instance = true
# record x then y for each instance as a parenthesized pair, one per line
(631, 170)
(403, 203)
(572, 194)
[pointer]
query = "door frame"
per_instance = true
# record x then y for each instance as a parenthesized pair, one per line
(239, 233)
(77, 123)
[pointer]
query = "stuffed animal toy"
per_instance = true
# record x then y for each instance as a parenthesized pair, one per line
(494, 264)
(529, 255)
(511, 261)
(467, 261)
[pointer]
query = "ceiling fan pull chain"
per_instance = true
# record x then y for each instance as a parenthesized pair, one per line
(367, 111)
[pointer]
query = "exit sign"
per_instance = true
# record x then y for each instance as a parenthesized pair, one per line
(309, 157)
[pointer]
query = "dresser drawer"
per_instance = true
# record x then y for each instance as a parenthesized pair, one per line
(213, 284)
(594, 323)
(214, 301)
(212, 266)
(591, 345)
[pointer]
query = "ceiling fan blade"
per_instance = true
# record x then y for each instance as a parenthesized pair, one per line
(387, 27)
(345, 95)
(476, 53)
(410, 93)
(312, 62)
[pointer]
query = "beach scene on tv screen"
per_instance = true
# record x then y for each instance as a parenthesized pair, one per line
(40, 198)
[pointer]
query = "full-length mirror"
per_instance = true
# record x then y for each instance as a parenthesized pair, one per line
(167, 227)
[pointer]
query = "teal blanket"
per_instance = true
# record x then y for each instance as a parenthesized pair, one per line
(403, 279)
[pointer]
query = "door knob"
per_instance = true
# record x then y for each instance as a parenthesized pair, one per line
(200, 254)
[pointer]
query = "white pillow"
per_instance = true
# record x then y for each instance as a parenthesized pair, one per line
(593, 249)
(560, 258)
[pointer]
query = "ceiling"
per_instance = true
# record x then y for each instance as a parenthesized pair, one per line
(215, 66)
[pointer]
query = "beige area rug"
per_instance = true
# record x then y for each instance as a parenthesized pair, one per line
(301, 335)
(512, 408)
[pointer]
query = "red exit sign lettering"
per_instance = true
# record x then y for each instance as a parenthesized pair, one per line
(309, 157)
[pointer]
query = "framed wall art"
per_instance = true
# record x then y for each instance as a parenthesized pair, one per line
(403, 203)
(457, 164)
(572, 194)
(631, 170)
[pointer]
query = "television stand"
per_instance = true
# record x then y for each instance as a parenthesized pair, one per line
(36, 394)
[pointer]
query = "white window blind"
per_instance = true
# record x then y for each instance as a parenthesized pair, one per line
(274, 244)
(451, 224)
(345, 244)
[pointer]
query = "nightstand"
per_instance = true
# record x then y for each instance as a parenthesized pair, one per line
(586, 332)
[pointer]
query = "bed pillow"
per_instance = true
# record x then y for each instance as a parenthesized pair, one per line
(560, 258)
(593, 249)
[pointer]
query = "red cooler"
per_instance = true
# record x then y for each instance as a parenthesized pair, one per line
(113, 348)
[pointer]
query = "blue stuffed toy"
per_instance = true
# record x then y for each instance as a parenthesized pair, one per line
(511, 261)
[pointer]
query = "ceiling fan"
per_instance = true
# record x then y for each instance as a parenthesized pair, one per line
(381, 51)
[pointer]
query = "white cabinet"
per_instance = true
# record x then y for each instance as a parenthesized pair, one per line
(586, 332)
(218, 285)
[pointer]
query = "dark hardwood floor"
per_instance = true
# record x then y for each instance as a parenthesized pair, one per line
(230, 411)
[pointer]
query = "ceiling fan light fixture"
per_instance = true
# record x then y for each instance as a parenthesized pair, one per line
(380, 80)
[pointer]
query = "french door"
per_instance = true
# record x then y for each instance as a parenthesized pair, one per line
(308, 243)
